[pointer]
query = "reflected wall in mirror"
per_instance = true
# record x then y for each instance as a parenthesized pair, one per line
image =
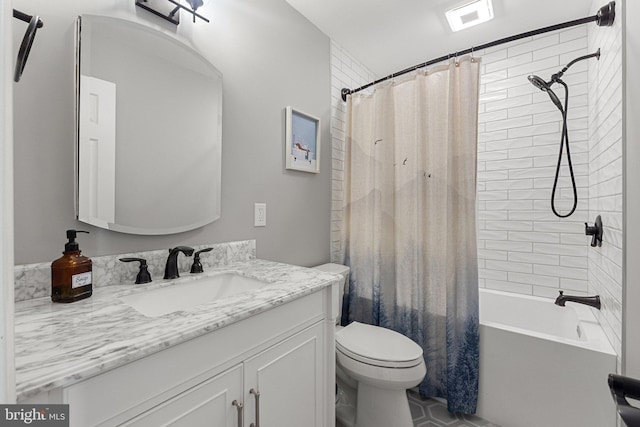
(149, 141)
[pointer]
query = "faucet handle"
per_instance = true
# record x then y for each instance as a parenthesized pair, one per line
(196, 267)
(595, 231)
(143, 275)
(561, 293)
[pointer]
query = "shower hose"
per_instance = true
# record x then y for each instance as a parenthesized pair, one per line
(564, 142)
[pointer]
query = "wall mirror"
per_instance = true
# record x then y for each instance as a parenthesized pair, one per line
(149, 134)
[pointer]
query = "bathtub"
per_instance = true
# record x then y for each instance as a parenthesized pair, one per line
(543, 365)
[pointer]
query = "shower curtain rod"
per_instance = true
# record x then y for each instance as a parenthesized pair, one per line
(604, 17)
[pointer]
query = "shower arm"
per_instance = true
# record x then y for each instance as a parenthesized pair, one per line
(556, 77)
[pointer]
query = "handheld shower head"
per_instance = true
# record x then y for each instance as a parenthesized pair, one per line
(539, 83)
(546, 87)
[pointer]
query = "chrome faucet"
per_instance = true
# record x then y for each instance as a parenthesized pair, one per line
(593, 301)
(171, 269)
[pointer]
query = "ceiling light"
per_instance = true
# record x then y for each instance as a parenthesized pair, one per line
(469, 14)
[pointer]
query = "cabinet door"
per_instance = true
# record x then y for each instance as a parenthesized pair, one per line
(289, 378)
(207, 404)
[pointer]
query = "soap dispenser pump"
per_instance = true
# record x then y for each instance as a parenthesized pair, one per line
(71, 278)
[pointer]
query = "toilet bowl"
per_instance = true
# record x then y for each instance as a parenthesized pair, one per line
(374, 368)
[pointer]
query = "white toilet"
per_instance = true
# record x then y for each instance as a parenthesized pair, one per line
(374, 368)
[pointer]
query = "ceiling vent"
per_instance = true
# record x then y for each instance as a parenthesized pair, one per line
(469, 14)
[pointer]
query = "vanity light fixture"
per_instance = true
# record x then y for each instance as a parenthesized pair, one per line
(168, 9)
(469, 14)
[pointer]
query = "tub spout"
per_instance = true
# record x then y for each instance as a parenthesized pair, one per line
(593, 301)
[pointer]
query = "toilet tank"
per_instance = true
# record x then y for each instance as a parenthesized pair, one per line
(342, 270)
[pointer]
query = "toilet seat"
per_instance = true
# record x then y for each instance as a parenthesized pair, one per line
(378, 346)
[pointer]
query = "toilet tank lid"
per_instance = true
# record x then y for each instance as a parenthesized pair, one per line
(333, 268)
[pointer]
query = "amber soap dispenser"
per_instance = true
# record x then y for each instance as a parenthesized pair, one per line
(71, 278)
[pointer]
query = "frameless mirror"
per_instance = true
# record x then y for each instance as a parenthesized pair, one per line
(149, 137)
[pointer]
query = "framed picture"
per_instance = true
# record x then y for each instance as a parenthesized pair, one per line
(302, 142)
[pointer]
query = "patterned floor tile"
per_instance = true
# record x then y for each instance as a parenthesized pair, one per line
(432, 413)
(435, 414)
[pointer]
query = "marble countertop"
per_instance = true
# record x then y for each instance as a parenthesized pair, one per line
(60, 344)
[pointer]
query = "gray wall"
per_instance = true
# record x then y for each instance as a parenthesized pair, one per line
(270, 57)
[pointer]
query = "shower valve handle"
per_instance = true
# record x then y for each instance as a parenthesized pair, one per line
(595, 231)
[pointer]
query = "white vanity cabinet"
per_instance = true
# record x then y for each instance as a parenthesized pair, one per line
(282, 386)
(288, 378)
(207, 404)
(278, 364)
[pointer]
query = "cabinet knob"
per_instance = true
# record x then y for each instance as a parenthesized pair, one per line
(256, 394)
(238, 406)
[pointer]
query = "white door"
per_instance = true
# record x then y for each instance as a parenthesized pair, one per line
(289, 380)
(209, 404)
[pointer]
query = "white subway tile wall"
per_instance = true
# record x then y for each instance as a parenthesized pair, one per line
(346, 72)
(522, 246)
(605, 174)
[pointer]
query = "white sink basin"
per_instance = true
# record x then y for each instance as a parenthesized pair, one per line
(182, 296)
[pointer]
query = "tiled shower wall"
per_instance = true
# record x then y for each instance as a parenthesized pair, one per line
(346, 72)
(605, 173)
(522, 246)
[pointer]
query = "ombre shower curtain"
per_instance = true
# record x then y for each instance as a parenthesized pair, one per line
(409, 229)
